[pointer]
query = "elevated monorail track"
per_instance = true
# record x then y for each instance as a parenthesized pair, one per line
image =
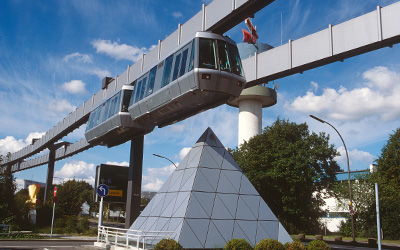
(362, 34)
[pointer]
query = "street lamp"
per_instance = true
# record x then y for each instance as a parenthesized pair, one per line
(165, 158)
(348, 171)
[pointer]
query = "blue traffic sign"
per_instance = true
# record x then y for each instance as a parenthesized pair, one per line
(102, 190)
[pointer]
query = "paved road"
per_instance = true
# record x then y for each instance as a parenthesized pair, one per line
(43, 244)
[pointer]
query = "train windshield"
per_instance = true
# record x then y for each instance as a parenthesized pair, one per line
(223, 56)
(236, 63)
(207, 58)
(125, 100)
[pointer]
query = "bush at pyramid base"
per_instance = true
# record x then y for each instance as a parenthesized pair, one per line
(208, 201)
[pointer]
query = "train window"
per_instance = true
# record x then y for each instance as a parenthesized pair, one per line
(133, 93)
(235, 60)
(176, 66)
(117, 104)
(125, 100)
(90, 121)
(105, 112)
(183, 63)
(96, 117)
(143, 89)
(207, 57)
(167, 71)
(152, 78)
(191, 60)
(139, 87)
(223, 56)
(112, 107)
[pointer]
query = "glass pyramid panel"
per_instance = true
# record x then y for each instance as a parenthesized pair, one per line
(246, 187)
(215, 240)
(206, 180)
(194, 158)
(188, 179)
(199, 227)
(176, 181)
(229, 163)
(169, 204)
(225, 227)
(181, 204)
(212, 157)
(221, 210)
(229, 182)
(238, 233)
(250, 229)
(206, 201)
(188, 236)
(283, 236)
(252, 202)
(243, 211)
(265, 213)
(271, 227)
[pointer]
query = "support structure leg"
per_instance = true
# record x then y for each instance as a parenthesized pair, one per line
(50, 174)
(134, 181)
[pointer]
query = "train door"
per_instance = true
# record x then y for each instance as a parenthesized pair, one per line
(186, 73)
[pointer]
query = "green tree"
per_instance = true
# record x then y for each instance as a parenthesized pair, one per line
(388, 179)
(72, 194)
(289, 167)
(7, 189)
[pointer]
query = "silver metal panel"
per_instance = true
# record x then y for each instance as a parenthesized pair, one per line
(174, 89)
(239, 3)
(355, 33)
(122, 79)
(273, 61)
(249, 67)
(190, 28)
(311, 48)
(390, 20)
(216, 10)
(59, 127)
(98, 98)
(159, 97)
(135, 70)
(111, 88)
(79, 113)
(88, 106)
(150, 59)
(142, 106)
(169, 44)
(71, 118)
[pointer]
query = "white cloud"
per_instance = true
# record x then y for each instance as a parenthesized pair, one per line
(380, 96)
(100, 73)
(314, 86)
(119, 51)
(61, 106)
(78, 57)
(184, 152)
(77, 170)
(74, 87)
(177, 14)
(356, 157)
(124, 163)
(10, 144)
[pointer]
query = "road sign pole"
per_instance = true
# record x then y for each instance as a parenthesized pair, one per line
(101, 213)
(52, 220)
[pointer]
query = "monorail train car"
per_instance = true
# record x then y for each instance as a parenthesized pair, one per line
(201, 74)
(110, 124)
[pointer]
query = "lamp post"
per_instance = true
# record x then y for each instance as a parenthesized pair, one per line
(165, 158)
(348, 171)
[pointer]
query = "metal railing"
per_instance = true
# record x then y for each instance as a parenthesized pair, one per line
(131, 239)
(3, 229)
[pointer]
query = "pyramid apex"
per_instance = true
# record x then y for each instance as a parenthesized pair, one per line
(209, 138)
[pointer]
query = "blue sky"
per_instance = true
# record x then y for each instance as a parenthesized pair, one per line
(53, 55)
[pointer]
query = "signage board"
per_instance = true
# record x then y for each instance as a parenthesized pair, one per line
(116, 178)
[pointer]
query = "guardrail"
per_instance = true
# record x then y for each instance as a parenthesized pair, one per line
(3, 228)
(131, 239)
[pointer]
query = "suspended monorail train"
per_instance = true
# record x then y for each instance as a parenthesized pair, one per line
(198, 75)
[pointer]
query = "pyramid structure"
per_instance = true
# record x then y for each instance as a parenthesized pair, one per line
(208, 201)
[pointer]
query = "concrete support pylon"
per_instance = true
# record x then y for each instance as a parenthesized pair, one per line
(250, 104)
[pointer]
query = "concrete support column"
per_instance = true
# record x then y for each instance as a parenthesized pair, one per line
(50, 173)
(134, 181)
(250, 119)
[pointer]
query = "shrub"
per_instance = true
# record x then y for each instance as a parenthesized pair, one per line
(168, 244)
(318, 245)
(295, 245)
(269, 244)
(238, 244)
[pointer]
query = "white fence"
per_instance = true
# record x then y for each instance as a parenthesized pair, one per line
(131, 239)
